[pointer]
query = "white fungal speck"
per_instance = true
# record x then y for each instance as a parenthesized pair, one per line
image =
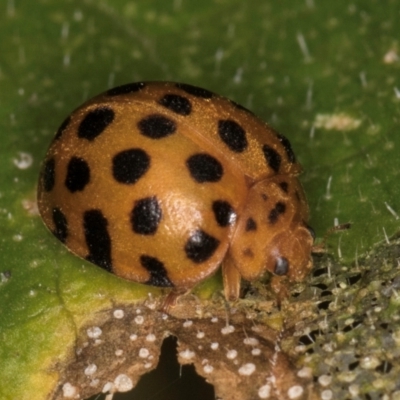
(94, 332)
(133, 337)
(143, 352)
(208, 368)
(90, 369)
(119, 352)
(187, 324)
(390, 57)
(187, 354)
(305, 372)
(354, 389)
(164, 316)
(227, 329)
(338, 122)
(24, 160)
(214, 345)
(264, 392)
(200, 335)
(256, 352)
(231, 354)
(326, 395)
(325, 380)
(94, 382)
(17, 238)
(108, 387)
(138, 311)
(247, 369)
(148, 365)
(214, 320)
(123, 383)
(251, 341)
(69, 391)
(370, 362)
(139, 319)
(295, 392)
(150, 337)
(119, 314)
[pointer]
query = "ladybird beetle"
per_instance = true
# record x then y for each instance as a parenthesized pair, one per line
(161, 183)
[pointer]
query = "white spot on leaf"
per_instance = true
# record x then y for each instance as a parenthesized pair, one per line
(227, 329)
(295, 392)
(247, 369)
(264, 392)
(69, 391)
(94, 332)
(90, 369)
(187, 354)
(123, 383)
(119, 314)
(143, 352)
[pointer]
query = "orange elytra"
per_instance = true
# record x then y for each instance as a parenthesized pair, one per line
(162, 183)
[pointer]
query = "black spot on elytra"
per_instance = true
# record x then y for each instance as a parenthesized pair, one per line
(195, 91)
(288, 147)
(62, 128)
(97, 239)
(204, 168)
(178, 104)
(61, 225)
(233, 135)
(157, 270)
(200, 246)
(264, 196)
(48, 174)
(156, 126)
(130, 165)
(297, 195)
(284, 186)
(272, 157)
(78, 174)
(95, 122)
(223, 212)
(146, 216)
(251, 225)
(126, 89)
(274, 214)
(281, 266)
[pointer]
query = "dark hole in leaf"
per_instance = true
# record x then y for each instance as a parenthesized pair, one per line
(385, 367)
(168, 381)
(351, 326)
(320, 271)
(353, 365)
(324, 305)
(321, 286)
(310, 338)
(354, 279)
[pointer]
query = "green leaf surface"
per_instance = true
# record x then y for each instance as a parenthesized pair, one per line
(325, 74)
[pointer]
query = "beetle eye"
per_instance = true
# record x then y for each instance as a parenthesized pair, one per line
(281, 266)
(311, 230)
